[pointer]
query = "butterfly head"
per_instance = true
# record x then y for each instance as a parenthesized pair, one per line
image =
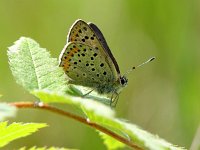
(119, 86)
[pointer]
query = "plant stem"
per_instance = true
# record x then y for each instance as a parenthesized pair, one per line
(77, 118)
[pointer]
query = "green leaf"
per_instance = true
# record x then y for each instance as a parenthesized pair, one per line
(37, 72)
(45, 148)
(103, 115)
(6, 111)
(110, 142)
(14, 131)
(33, 68)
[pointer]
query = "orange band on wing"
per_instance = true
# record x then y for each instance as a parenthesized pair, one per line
(69, 56)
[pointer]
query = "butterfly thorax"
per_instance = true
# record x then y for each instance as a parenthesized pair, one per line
(107, 88)
(111, 87)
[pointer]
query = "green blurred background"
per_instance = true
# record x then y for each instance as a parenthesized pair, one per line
(163, 97)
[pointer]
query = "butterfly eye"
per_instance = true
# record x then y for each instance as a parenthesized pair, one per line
(123, 81)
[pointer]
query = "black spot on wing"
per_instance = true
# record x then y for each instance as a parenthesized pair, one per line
(102, 64)
(85, 28)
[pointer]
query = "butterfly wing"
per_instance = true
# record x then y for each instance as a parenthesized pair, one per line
(90, 35)
(85, 59)
(85, 65)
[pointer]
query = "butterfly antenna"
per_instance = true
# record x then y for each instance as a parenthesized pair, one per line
(133, 68)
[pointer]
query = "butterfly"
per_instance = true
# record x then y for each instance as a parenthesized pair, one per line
(88, 61)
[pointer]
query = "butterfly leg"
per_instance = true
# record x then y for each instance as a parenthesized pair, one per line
(84, 95)
(114, 99)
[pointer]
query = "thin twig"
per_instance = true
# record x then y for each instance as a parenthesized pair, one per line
(77, 118)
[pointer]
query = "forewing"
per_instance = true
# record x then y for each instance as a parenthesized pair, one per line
(85, 65)
(103, 42)
(89, 34)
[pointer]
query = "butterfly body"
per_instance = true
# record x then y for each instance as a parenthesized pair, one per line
(88, 61)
